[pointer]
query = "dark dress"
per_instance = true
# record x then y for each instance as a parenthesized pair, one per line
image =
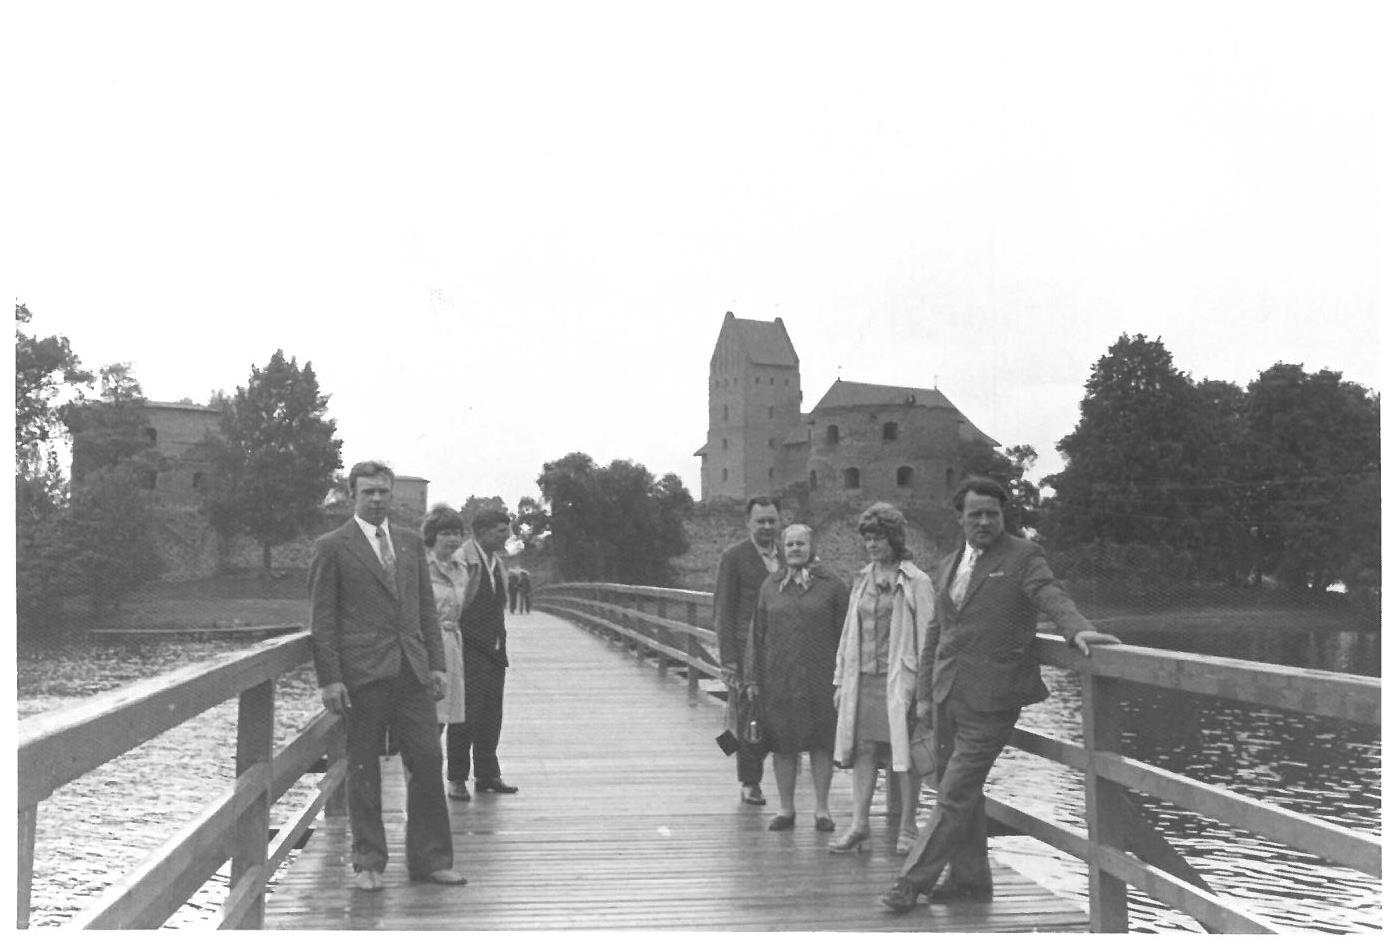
(794, 641)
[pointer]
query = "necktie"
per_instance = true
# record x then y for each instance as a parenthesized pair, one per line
(961, 578)
(385, 553)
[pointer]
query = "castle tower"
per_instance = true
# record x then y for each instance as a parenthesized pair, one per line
(753, 398)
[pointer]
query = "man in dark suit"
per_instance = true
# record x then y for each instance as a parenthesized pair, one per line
(486, 653)
(978, 669)
(740, 572)
(380, 663)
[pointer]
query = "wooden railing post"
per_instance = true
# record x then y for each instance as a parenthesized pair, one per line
(255, 715)
(661, 607)
(1106, 805)
(690, 646)
(28, 824)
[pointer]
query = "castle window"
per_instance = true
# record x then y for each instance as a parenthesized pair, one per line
(770, 413)
(147, 479)
(787, 382)
(770, 442)
(198, 482)
(771, 380)
(831, 434)
(726, 414)
(852, 478)
(889, 431)
(724, 442)
(949, 478)
(151, 435)
(724, 475)
(757, 378)
(904, 475)
(770, 474)
(813, 479)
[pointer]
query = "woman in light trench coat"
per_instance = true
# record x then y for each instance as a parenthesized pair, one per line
(889, 610)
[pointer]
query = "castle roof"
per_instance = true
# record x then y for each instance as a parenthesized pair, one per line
(765, 343)
(856, 394)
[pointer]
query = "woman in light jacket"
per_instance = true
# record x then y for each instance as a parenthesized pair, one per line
(443, 531)
(889, 611)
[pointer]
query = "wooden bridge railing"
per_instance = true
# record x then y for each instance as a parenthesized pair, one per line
(57, 747)
(1119, 848)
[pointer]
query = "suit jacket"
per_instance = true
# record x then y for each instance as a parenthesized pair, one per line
(740, 573)
(475, 565)
(362, 626)
(985, 649)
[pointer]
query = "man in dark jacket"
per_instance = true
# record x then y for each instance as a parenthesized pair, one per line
(380, 663)
(740, 572)
(978, 669)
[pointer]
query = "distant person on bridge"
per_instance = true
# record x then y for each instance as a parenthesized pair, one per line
(380, 663)
(443, 531)
(741, 571)
(486, 658)
(889, 615)
(513, 591)
(525, 591)
(794, 645)
(978, 669)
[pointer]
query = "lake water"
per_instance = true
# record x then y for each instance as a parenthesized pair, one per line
(100, 826)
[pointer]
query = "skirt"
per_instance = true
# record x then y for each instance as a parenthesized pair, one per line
(872, 724)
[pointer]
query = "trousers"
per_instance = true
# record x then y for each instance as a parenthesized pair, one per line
(967, 743)
(404, 704)
(478, 735)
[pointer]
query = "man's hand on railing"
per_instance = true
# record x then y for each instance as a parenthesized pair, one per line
(1082, 640)
(335, 696)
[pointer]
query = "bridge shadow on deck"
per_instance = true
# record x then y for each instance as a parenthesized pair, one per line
(628, 817)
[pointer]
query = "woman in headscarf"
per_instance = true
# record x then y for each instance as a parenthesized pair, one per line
(794, 640)
(888, 614)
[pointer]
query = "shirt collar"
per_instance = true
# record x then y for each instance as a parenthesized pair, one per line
(370, 531)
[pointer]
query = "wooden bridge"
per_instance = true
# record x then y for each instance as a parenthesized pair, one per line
(627, 815)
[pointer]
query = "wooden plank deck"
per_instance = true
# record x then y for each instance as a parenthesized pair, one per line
(628, 818)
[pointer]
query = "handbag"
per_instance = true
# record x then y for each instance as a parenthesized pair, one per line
(923, 750)
(749, 727)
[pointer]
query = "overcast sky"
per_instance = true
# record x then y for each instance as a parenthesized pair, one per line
(503, 232)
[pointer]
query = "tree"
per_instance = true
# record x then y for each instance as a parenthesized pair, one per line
(42, 367)
(532, 521)
(275, 457)
(108, 531)
(1137, 454)
(614, 523)
(1315, 465)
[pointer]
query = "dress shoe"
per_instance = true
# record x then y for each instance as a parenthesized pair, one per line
(442, 878)
(494, 786)
(958, 893)
(905, 841)
(850, 841)
(368, 880)
(458, 791)
(781, 822)
(824, 824)
(751, 794)
(901, 897)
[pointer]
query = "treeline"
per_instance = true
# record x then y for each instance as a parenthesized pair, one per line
(1170, 480)
(272, 463)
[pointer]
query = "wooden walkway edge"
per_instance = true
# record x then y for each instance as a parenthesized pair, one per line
(628, 818)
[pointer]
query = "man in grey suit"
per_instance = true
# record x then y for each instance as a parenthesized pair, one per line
(380, 663)
(978, 669)
(740, 572)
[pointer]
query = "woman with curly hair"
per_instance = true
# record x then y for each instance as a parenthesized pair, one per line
(442, 532)
(888, 613)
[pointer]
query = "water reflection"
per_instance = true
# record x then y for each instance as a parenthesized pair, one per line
(99, 827)
(1309, 765)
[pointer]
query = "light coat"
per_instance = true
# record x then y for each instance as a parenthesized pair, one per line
(912, 609)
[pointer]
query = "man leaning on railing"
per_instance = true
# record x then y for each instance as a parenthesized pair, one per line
(978, 669)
